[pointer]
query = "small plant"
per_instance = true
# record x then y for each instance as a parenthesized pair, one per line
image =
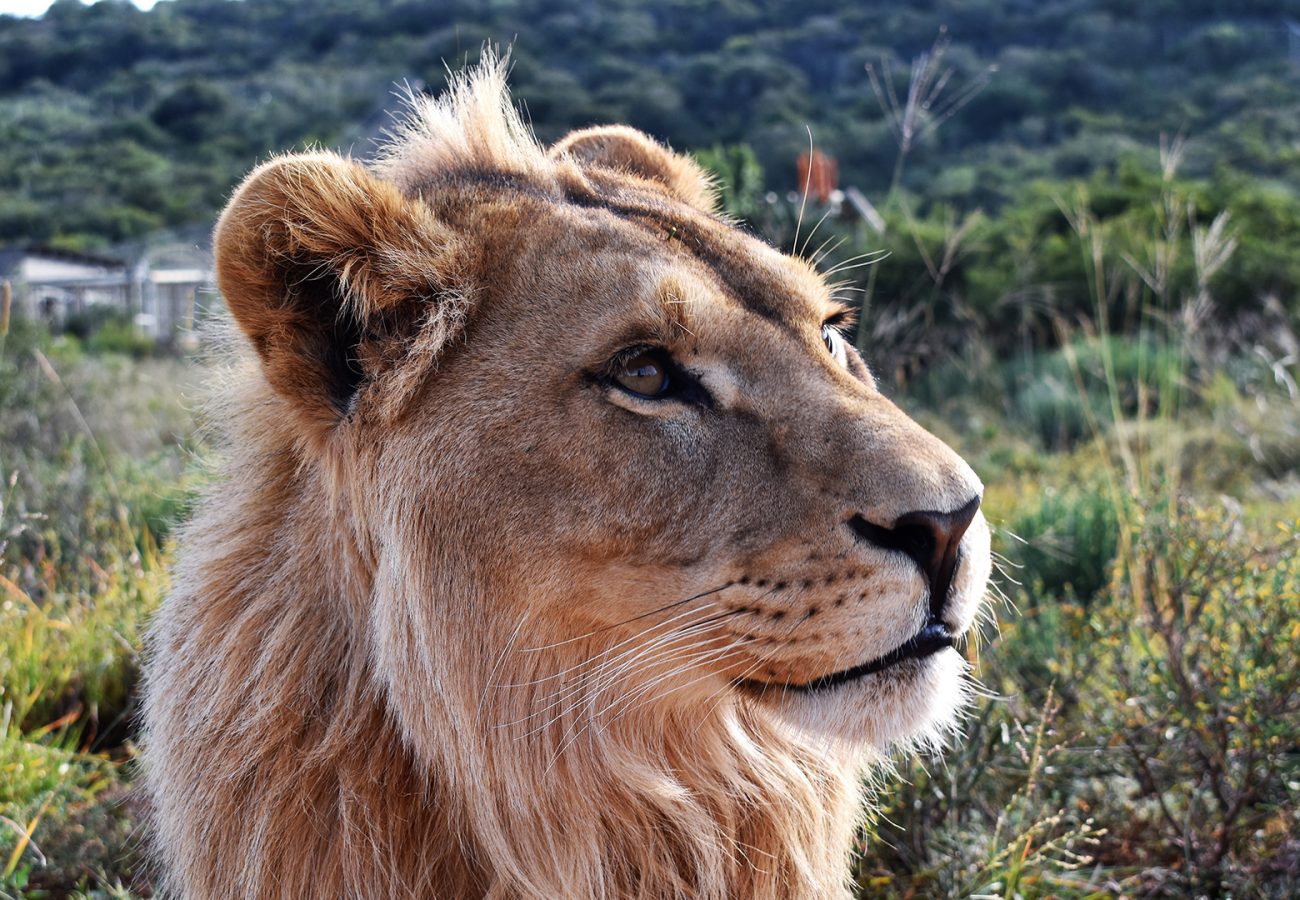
(987, 822)
(120, 335)
(931, 99)
(1066, 541)
(739, 179)
(1193, 702)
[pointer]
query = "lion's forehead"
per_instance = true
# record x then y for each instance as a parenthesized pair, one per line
(633, 247)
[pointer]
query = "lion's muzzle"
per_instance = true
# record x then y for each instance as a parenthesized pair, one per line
(930, 538)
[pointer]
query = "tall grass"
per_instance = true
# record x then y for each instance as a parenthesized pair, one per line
(1193, 682)
(94, 457)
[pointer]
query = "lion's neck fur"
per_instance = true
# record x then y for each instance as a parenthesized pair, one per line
(283, 762)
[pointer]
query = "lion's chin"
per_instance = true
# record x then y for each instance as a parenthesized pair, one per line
(916, 702)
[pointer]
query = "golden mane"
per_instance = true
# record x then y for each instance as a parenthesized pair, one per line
(464, 617)
(473, 126)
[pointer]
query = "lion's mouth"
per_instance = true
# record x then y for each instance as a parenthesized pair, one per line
(934, 637)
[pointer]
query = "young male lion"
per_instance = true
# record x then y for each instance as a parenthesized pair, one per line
(564, 548)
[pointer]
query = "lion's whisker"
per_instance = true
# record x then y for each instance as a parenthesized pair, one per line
(807, 183)
(869, 254)
(593, 683)
(867, 259)
(822, 252)
(597, 682)
(627, 621)
(505, 651)
(1005, 560)
(851, 268)
(721, 693)
(979, 689)
(646, 687)
(811, 234)
(613, 673)
(722, 654)
(996, 589)
(609, 670)
(592, 719)
(1009, 533)
(631, 654)
(635, 637)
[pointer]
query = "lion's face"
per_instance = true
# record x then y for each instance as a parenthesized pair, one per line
(571, 402)
(677, 444)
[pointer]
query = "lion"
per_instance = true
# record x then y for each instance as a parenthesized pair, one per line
(563, 547)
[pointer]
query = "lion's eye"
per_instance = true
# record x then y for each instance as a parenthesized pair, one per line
(645, 375)
(835, 343)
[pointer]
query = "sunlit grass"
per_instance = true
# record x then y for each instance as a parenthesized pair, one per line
(94, 463)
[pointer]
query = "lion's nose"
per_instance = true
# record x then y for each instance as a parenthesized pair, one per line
(928, 537)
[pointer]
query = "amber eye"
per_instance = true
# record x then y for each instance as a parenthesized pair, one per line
(645, 374)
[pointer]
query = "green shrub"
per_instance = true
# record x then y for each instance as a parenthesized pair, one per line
(1064, 542)
(120, 335)
(739, 179)
(1068, 395)
(88, 442)
(1196, 699)
(95, 456)
(1065, 396)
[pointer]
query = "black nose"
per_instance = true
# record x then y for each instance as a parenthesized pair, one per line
(930, 538)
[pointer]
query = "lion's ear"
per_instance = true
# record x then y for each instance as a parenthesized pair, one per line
(325, 266)
(625, 149)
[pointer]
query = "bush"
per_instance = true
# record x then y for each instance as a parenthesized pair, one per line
(1063, 543)
(1071, 394)
(739, 179)
(94, 456)
(1197, 700)
(119, 334)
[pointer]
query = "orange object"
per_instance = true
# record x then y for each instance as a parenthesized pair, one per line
(818, 175)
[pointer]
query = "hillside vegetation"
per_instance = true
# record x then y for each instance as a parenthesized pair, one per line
(120, 122)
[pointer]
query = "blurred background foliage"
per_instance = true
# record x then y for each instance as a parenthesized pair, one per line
(120, 121)
(1084, 277)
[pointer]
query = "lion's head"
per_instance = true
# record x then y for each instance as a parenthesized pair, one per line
(601, 468)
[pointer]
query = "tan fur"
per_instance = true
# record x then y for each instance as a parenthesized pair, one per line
(462, 618)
